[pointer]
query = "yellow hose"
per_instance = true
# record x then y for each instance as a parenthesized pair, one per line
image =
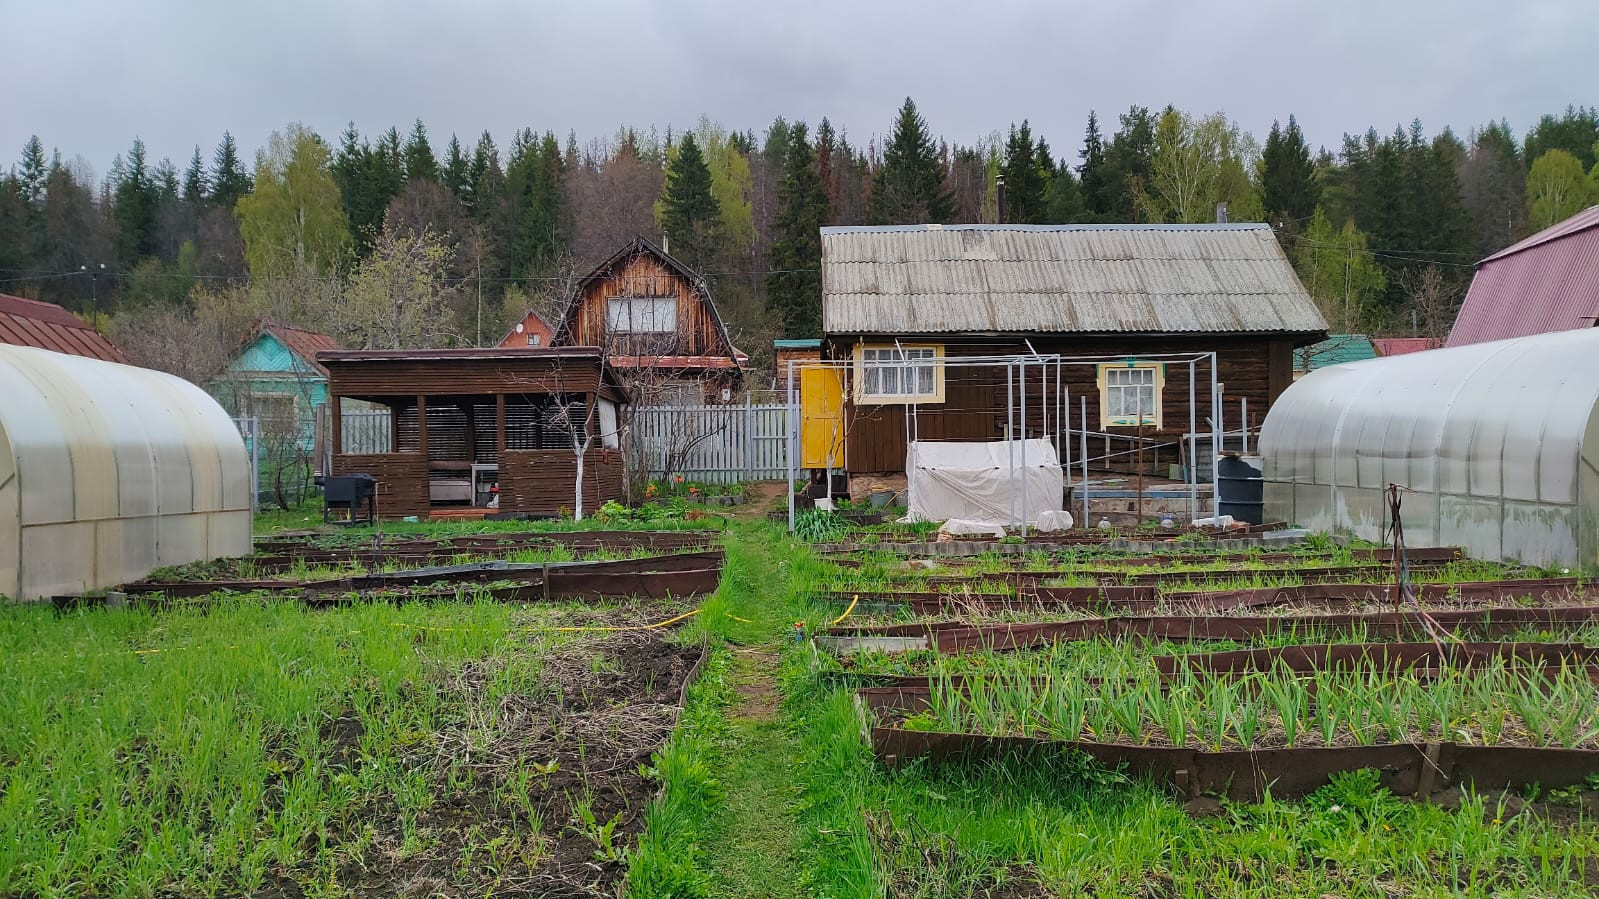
(851, 608)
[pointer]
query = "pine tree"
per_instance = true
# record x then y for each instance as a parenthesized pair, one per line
(137, 196)
(196, 183)
(1289, 189)
(32, 172)
(232, 182)
(455, 174)
(794, 287)
(419, 160)
(1025, 184)
(690, 215)
(1091, 171)
(909, 188)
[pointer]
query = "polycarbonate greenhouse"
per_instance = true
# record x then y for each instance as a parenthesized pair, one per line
(1499, 443)
(109, 471)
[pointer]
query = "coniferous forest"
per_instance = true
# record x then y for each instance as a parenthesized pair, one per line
(177, 260)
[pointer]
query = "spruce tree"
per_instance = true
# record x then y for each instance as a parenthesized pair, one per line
(487, 178)
(420, 164)
(196, 183)
(1063, 202)
(1025, 184)
(1289, 189)
(455, 173)
(232, 181)
(794, 286)
(137, 196)
(1091, 171)
(690, 215)
(32, 172)
(909, 188)
(533, 187)
(1127, 164)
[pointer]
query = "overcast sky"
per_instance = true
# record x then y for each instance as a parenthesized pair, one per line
(89, 75)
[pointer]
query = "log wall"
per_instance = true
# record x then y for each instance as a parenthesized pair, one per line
(544, 482)
(974, 406)
(402, 480)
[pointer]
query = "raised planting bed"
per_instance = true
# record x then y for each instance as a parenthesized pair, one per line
(676, 574)
(1435, 554)
(1494, 726)
(965, 636)
(1419, 769)
(1310, 658)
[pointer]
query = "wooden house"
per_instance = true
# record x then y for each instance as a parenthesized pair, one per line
(273, 375)
(902, 305)
(658, 325)
(465, 422)
(531, 331)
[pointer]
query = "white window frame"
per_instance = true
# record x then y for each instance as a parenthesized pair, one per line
(1150, 417)
(875, 361)
(535, 339)
(640, 315)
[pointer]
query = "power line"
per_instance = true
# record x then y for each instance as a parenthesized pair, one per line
(1387, 254)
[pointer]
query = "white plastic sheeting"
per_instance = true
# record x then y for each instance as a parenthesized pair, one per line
(1499, 441)
(109, 471)
(1003, 482)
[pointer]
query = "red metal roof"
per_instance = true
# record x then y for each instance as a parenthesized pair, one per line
(302, 343)
(1399, 346)
(1548, 282)
(25, 322)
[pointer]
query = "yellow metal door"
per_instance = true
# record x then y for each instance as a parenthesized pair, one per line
(821, 418)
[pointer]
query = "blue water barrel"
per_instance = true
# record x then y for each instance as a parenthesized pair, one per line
(1242, 492)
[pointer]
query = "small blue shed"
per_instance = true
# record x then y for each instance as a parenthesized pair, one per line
(274, 376)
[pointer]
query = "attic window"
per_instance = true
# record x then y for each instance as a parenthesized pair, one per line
(641, 315)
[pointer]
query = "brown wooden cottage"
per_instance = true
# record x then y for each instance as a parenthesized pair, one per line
(465, 421)
(902, 303)
(659, 327)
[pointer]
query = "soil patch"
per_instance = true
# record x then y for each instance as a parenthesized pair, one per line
(538, 793)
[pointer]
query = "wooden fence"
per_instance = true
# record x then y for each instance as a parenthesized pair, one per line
(710, 444)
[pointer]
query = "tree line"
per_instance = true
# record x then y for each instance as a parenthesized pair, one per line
(385, 241)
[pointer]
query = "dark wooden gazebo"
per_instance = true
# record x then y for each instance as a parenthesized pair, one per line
(465, 421)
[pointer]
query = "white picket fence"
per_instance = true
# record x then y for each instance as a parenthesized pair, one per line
(710, 444)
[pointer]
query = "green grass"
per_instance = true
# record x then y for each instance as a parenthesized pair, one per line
(216, 765)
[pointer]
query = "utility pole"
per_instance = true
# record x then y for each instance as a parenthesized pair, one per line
(94, 292)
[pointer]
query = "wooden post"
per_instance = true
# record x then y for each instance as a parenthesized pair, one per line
(335, 429)
(499, 429)
(422, 426)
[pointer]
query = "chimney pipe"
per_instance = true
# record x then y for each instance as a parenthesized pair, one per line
(1221, 213)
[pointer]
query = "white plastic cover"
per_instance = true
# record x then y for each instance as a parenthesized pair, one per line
(963, 527)
(1499, 442)
(1005, 482)
(1050, 522)
(109, 471)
